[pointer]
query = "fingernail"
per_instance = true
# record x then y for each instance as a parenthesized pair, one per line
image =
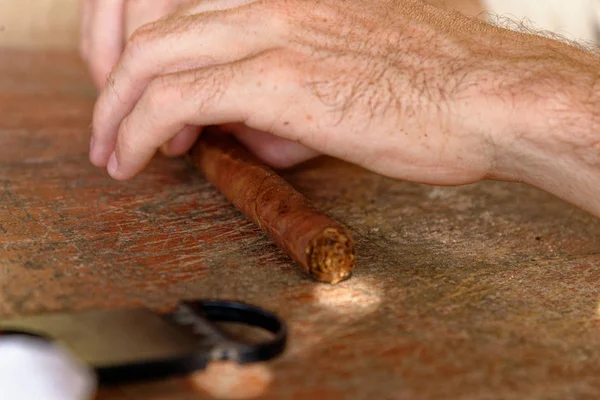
(91, 144)
(113, 164)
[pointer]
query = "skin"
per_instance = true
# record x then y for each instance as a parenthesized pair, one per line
(400, 87)
(105, 27)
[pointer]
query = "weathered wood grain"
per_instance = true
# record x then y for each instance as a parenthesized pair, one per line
(488, 291)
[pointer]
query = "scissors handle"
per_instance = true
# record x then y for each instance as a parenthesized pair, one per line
(209, 343)
(202, 314)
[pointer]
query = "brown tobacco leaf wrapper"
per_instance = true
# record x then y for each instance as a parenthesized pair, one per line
(321, 246)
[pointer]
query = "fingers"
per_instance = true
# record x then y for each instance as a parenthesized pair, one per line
(105, 24)
(182, 72)
(208, 96)
(182, 142)
(271, 149)
(165, 50)
(84, 28)
(104, 41)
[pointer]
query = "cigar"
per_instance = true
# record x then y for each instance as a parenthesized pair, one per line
(319, 244)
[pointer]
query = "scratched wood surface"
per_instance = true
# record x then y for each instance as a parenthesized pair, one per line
(487, 291)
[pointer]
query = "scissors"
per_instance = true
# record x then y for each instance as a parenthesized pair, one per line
(131, 345)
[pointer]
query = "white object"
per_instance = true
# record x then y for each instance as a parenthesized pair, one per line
(574, 19)
(31, 369)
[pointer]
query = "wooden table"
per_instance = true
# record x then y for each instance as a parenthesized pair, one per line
(487, 291)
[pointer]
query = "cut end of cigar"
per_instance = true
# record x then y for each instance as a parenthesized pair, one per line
(331, 256)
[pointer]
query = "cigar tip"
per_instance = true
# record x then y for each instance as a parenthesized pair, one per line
(331, 256)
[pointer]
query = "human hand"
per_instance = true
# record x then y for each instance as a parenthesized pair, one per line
(399, 87)
(105, 27)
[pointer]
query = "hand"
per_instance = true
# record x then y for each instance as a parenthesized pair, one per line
(399, 87)
(106, 24)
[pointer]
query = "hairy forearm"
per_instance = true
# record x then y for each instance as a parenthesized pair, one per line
(536, 99)
(553, 141)
(561, 154)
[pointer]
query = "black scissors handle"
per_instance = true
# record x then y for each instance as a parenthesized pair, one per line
(213, 344)
(208, 311)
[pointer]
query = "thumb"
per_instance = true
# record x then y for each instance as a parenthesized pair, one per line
(273, 150)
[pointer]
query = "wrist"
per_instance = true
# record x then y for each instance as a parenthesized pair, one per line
(553, 138)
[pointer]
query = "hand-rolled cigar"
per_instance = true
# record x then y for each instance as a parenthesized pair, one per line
(321, 246)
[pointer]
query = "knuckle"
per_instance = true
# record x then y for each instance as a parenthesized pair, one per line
(209, 87)
(140, 40)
